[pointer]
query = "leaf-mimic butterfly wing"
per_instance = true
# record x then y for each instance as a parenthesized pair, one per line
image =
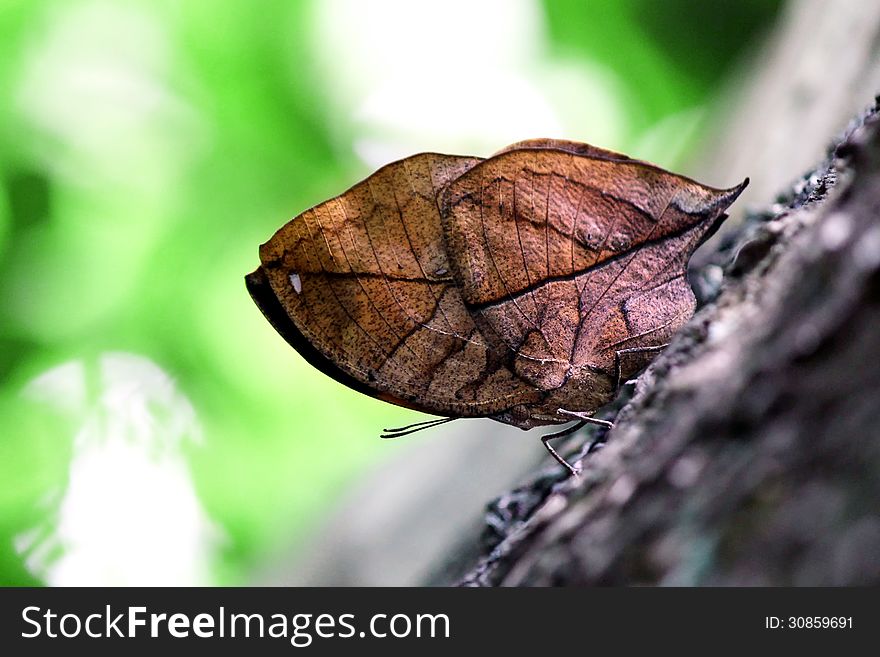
(361, 286)
(509, 288)
(572, 253)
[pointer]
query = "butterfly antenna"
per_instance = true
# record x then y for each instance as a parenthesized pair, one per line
(413, 428)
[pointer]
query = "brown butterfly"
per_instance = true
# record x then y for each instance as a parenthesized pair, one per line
(524, 287)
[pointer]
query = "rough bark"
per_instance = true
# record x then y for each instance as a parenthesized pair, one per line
(749, 452)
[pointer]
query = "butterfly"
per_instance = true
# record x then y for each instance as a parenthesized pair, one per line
(523, 287)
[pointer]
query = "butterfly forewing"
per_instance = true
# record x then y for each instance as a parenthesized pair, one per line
(365, 279)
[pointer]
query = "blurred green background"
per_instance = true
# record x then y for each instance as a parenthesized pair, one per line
(153, 427)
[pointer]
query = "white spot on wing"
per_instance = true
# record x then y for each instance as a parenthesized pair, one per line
(296, 282)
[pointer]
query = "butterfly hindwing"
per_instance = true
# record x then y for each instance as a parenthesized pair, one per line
(555, 249)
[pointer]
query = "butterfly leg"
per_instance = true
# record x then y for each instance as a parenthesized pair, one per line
(621, 353)
(585, 417)
(559, 434)
(582, 419)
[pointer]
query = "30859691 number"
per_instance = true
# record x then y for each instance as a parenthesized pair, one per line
(808, 622)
